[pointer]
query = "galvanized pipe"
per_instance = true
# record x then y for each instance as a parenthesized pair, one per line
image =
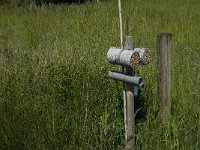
(125, 78)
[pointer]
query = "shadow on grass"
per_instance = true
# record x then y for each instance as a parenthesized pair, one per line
(142, 104)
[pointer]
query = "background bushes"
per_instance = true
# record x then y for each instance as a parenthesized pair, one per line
(41, 2)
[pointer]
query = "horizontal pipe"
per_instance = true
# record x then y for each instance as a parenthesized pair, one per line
(125, 78)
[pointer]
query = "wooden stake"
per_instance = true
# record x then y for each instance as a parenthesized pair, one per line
(164, 49)
(129, 109)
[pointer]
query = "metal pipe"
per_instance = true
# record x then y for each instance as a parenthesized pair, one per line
(125, 78)
(120, 21)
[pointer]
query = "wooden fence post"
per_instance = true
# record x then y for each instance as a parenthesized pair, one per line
(129, 110)
(164, 51)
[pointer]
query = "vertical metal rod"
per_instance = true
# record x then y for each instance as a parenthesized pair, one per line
(121, 44)
(120, 20)
(164, 49)
(129, 112)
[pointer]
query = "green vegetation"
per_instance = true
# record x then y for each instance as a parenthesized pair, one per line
(54, 88)
(39, 3)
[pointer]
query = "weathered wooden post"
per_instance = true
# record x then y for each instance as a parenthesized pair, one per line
(128, 58)
(164, 50)
(129, 99)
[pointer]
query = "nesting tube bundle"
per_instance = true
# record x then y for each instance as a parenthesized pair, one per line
(130, 58)
(145, 55)
(135, 59)
(123, 57)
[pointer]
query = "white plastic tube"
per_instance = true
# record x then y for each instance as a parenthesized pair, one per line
(120, 20)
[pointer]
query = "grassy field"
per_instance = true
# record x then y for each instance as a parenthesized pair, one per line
(55, 92)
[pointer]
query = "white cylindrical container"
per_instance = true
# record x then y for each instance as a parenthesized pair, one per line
(119, 56)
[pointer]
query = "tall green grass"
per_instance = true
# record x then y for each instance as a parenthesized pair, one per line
(54, 88)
